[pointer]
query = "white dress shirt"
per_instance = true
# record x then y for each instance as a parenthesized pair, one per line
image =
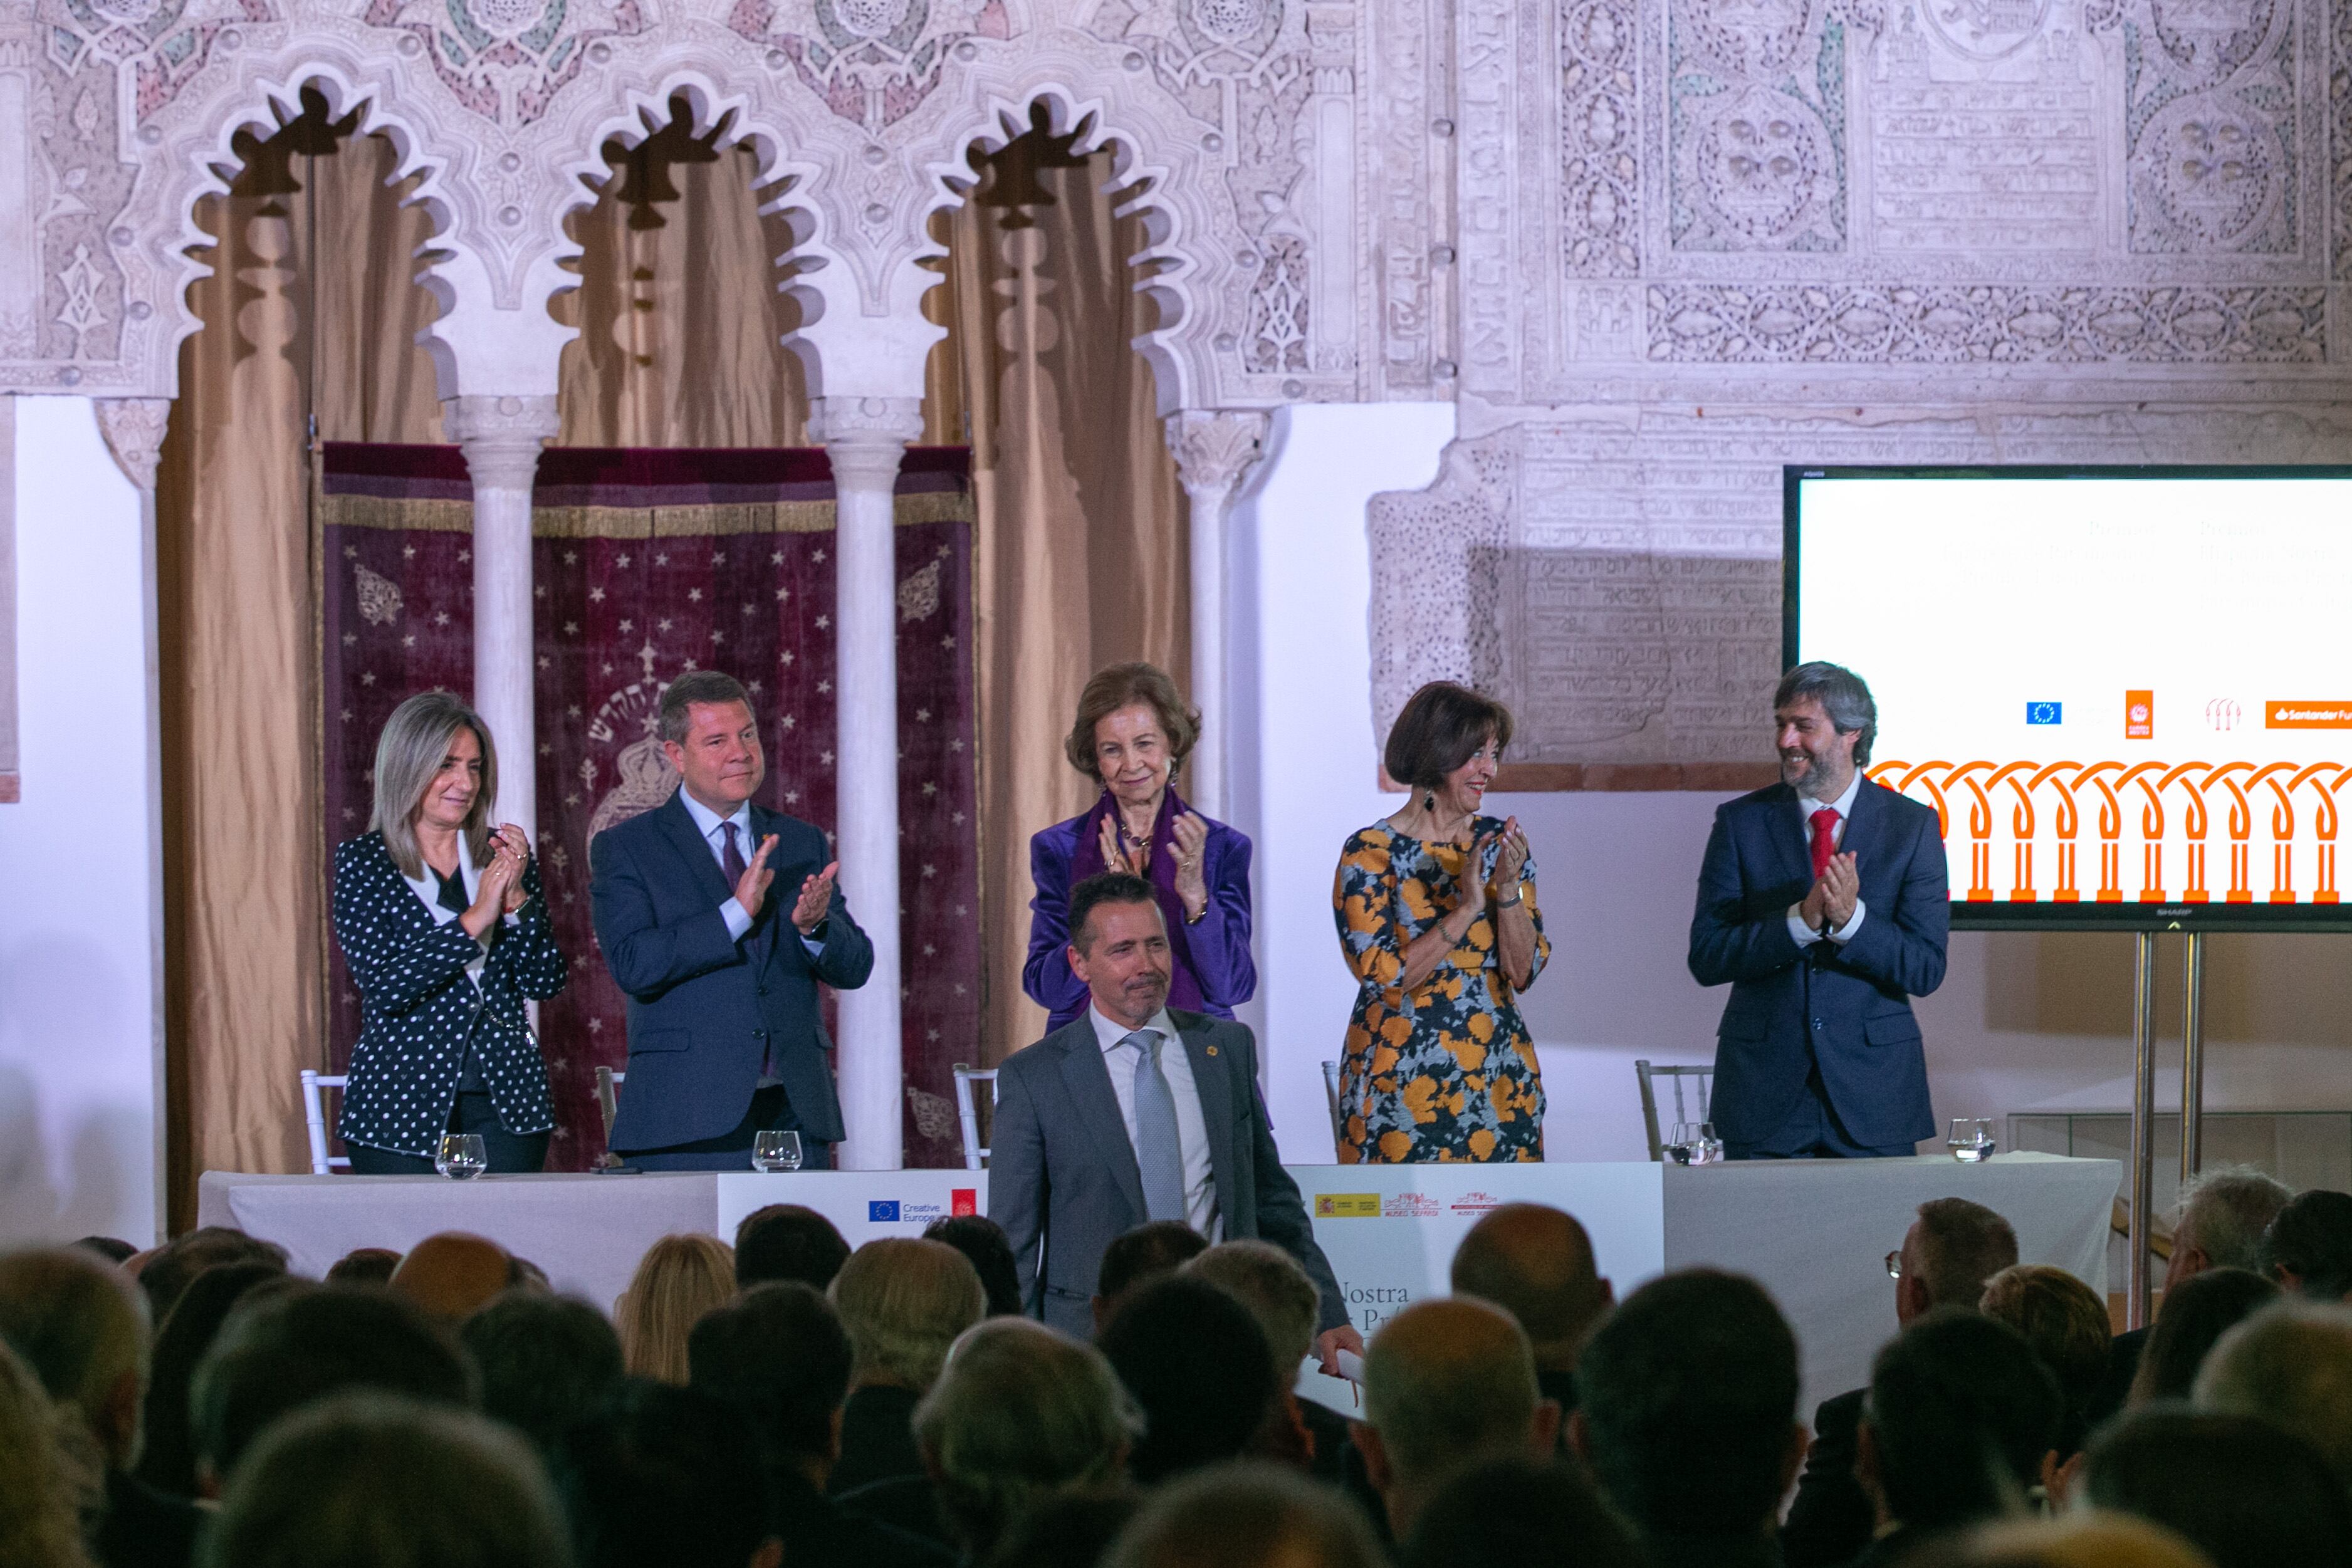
(712, 827)
(1121, 1059)
(1799, 932)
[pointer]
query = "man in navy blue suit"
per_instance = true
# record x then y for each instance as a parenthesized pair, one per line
(1823, 902)
(725, 1037)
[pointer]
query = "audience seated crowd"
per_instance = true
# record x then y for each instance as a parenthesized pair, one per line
(792, 1403)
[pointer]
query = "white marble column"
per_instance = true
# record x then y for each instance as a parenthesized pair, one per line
(501, 438)
(1213, 451)
(866, 438)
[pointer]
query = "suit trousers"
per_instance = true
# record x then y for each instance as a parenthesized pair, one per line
(769, 1112)
(1813, 1132)
(510, 1152)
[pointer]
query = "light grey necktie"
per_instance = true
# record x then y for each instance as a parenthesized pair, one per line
(1158, 1153)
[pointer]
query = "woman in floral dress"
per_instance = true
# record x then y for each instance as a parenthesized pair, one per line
(1437, 917)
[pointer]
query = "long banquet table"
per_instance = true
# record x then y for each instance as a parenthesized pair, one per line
(1815, 1233)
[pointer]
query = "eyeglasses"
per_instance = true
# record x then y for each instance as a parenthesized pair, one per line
(1895, 1264)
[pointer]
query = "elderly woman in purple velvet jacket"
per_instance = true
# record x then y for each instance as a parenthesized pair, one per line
(1132, 733)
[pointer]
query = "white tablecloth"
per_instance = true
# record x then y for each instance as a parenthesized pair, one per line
(1816, 1233)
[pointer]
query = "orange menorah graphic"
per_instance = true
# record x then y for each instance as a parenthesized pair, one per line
(2163, 793)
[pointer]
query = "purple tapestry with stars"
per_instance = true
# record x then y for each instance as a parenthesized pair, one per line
(646, 564)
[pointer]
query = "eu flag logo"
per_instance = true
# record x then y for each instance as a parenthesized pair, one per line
(882, 1210)
(2044, 713)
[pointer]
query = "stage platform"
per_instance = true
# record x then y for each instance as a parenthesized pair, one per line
(1816, 1233)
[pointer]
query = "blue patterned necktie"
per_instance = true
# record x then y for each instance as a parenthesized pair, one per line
(1158, 1153)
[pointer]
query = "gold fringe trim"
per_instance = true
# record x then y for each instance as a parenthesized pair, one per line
(639, 522)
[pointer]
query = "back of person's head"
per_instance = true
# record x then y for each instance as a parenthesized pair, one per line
(363, 1266)
(167, 1459)
(453, 1275)
(375, 1480)
(43, 1490)
(1197, 1362)
(2290, 1365)
(1020, 1413)
(2308, 1247)
(2197, 1313)
(1961, 1411)
(1686, 1405)
(780, 1355)
(294, 1348)
(2247, 1494)
(679, 1278)
(546, 1362)
(1276, 1290)
(170, 1268)
(664, 1475)
(788, 1242)
(1502, 1513)
(1139, 1256)
(1447, 1382)
(2223, 1212)
(108, 1248)
(2063, 1319)
(1960, 1246)
(2086, 1538)
(983, 1243)
(1246, 1516)
(81, 1325)
(1072, 1531)
(903, 1300)
(1536, 1263)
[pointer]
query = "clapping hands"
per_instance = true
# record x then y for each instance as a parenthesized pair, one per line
(499, 890)
(1831, 901)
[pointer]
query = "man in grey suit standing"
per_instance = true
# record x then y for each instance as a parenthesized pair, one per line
(1101, 1128)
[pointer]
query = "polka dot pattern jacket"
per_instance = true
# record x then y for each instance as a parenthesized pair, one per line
(418, 1008)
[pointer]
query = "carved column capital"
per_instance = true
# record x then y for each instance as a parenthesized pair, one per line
(1214, 447)
(865, 436)
(501, 436)
(133, 429)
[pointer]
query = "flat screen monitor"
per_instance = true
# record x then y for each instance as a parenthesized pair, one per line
(2127, 691)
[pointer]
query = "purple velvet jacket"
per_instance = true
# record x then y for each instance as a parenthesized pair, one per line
(1212, 956)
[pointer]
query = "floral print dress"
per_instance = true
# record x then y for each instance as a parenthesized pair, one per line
(1448, 1072)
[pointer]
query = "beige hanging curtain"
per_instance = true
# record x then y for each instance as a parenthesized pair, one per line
(245, 905)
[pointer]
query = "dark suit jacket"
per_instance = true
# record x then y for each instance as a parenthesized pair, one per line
(418, 1011)
(143, 1528)
(1847, 1009)
(703, 1007)
(817, 1533)
(1064, 1184)
(877, 1438)
(1830, 1519)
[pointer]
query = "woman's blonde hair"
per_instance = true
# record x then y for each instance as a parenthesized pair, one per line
(40, 1505)
(903, 1300)
(415, 742)
(679, 1278)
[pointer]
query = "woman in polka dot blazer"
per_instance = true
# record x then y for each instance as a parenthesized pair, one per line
(440, 920)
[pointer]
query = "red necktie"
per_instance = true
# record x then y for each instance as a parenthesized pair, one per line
(1824, 822)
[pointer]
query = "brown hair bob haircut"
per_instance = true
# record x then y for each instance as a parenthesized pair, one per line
(1117, 685)
(1442, 727)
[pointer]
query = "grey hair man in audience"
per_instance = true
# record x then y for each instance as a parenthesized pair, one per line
(1536, 1263)
(1245, 1515)
(1022, 1413)
(81, 1325)
(2217, 1223)
(1279, 1295)
(1950, 1250)
(903, 1300)
(2292, 1366)
(1447, 1383)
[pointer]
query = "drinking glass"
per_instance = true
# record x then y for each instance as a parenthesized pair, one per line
(1972, 1139)
(775, 1151)
(461, 1156)
(1686, 1145)
(1710, 1148)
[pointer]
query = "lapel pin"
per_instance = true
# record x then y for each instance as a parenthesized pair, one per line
(1212, 1050)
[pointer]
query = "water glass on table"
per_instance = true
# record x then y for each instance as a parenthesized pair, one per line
(1694, 1143)
(461, 1156)
(1971, 1141)
(775, 1151)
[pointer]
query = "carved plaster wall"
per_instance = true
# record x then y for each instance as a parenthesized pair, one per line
(1243, 117)
(1713, 236)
